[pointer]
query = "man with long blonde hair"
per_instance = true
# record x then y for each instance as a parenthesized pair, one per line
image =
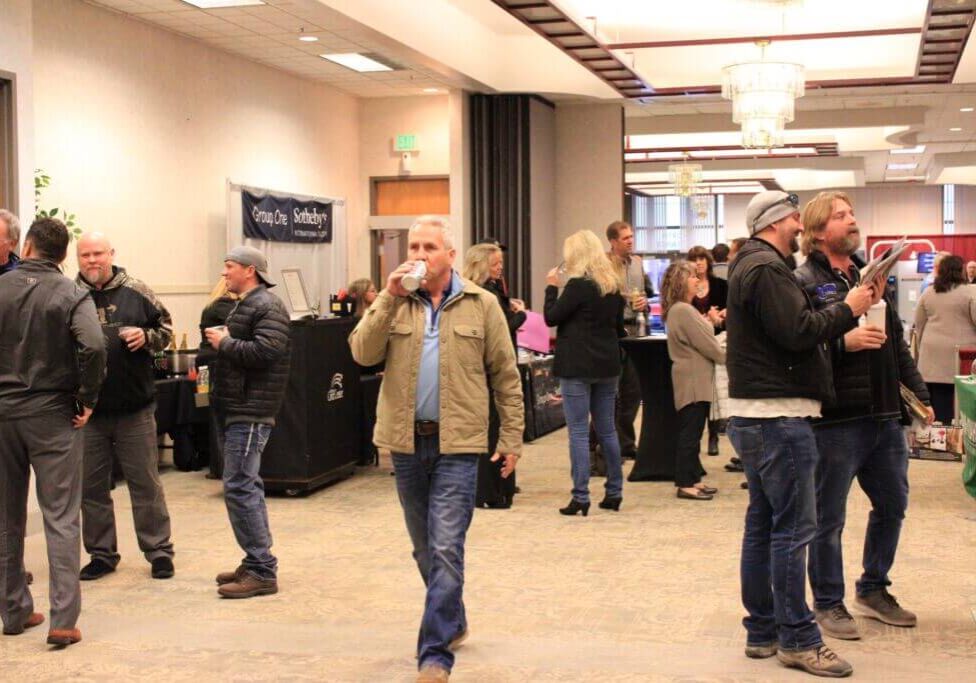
(860, 434)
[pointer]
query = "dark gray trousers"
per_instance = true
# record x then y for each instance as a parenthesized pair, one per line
(130, 438)
(53, 448)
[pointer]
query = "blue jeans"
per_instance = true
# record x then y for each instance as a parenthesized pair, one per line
(581, 398)
(779, 456)
(437, 495)
(877, 454)
(244, 496)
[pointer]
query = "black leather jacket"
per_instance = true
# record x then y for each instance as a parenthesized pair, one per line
(866, 382)
(252, 363)
(777, 342)
(53, 348)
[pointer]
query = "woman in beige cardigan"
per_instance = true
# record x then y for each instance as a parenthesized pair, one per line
(694, 352)
(944, 319)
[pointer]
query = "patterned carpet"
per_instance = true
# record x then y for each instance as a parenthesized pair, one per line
(647, 594)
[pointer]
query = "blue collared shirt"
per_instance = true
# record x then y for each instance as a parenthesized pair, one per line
(429, 378)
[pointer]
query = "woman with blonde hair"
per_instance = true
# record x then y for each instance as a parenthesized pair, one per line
(694, 350)
(363, 293)
(589, 316)
(221, 303)
(483, 265)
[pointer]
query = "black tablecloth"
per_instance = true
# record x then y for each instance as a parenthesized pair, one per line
(659, 427)
(178, 416)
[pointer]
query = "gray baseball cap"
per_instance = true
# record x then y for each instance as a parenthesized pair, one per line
(249, 256)
(768, 207)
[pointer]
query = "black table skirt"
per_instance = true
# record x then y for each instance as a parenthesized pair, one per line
(658, 442)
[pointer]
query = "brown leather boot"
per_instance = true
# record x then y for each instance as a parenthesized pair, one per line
(63, 636)
(230, 577)
(248, 586)
(35, 619)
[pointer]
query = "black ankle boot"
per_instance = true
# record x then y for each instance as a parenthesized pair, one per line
(574, 507)
(611, 504)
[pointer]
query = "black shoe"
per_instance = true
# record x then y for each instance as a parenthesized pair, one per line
(162, 568)
(30, 578)
(95, 569)
(734, 467)
(713, 443)
(744, 485)
(574, 507)
(611, 504)
(698, 495)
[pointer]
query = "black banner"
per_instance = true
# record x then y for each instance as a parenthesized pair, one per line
(286, 220)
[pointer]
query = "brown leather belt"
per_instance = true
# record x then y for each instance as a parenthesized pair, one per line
(426, 428)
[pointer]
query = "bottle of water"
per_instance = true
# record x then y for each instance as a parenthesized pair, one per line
(641, 325)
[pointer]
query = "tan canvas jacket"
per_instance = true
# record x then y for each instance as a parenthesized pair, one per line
(475, 349)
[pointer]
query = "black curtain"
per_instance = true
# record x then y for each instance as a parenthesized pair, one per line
(500, 178)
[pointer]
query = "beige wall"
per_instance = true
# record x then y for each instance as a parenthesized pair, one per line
(140, 132)
(589, 171)
(381, 119)
(16, 46)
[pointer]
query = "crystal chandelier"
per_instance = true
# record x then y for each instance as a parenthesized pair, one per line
(684, 177)
(702, 204)
(763, 95)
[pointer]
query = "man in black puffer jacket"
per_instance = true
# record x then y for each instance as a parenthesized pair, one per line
(779, 375)
(252, 371)
(860, 435)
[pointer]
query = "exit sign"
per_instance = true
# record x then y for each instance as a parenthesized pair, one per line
(405, 143)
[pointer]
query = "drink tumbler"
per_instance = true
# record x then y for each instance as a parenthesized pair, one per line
(411, 281)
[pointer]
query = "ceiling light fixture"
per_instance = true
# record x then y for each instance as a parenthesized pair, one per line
(917, 149)
(684, 177)
(966, 109)
(358, 62)
(221, 4)
(955, 129)
(902, 167)
(432, 90)
(306, 38)
(763, 98)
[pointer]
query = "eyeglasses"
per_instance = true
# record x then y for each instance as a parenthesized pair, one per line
(792, 199)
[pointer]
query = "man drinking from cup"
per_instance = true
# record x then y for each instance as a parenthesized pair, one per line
(123, 427)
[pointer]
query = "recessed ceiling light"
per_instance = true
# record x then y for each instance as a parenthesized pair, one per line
(955, 130)
(357, 62)
(966, 109)
(220, 4)
(902, 167)
(904, 178)
(917, 149)
(308, 39)
(432, 90)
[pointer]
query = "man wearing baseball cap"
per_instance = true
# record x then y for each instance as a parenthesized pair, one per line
(779, 373)
(252, 371)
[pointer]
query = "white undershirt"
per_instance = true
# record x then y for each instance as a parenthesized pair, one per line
(765, 408)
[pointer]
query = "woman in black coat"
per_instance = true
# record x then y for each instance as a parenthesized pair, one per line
(483, 265)
(589, 315)
(710, 301)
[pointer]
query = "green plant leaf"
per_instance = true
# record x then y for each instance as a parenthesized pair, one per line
(54, 212)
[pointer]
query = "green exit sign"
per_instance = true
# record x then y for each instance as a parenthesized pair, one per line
(405, 143)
